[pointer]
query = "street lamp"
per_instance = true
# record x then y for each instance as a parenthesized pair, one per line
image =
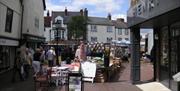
(57, 26)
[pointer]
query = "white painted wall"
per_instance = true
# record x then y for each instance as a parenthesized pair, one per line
(33, 9)
(65, 32)
(16, 22)
(123, 36)
(62, 25)
(47, 33)
(101, 33)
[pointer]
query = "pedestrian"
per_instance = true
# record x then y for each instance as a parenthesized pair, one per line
(17, 67)
(27, 62)
(51, 56)
(36, 61)
(77, 54)
(82, 51)
(42, 57)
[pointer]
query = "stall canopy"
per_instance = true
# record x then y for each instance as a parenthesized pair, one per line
(121, 43)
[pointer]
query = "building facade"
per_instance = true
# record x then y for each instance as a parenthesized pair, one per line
(121, 30)
(48, 33)
(163, 17)
(10, 25)
(99, 29)
(33, 22)
(59, 22)
(16, 19)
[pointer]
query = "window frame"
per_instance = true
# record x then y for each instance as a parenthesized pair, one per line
(119, 39)
(36, 23)
(126, 32)
(109, 29)
(93, 28)
(9, 20)
(119, 31)
(93, 39)
(127, 39)
(109, 39)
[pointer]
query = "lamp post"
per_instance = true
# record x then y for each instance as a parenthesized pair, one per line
(57, 27)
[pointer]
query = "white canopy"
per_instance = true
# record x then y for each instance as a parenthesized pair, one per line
(121, 43)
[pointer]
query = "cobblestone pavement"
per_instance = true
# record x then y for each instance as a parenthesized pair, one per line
(122, 83)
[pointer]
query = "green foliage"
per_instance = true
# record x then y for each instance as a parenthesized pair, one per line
(77, 27)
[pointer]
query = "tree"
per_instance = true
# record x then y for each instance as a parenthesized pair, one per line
(77, 28)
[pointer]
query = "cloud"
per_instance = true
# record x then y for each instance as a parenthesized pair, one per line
(95, 6)
(115, 16)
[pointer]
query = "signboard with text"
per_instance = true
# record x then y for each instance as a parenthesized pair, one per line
(8, 42)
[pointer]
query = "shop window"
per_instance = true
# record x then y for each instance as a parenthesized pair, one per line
(4, 57)
(164, 46)
(175, 43)
(9, 18)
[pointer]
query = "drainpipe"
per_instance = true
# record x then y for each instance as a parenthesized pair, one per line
(21, 30)
(115, 32)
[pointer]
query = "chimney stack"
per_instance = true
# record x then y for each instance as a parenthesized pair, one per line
(66, 12)
(109, 16)
(81, 12)
(86, 12)
(48, 13)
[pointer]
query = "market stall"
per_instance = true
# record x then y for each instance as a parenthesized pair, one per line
(99, 53)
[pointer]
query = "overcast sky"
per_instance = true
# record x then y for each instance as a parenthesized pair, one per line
(98, 8)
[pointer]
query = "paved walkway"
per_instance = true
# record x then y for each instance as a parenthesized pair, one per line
(153, 86)
(123, 82)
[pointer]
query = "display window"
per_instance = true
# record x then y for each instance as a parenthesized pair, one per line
(4, 57)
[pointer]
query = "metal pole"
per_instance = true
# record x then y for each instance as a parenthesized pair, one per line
(57, 49)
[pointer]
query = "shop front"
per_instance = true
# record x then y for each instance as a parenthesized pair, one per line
(165, 23)
(7, 53)
(33, 41)
(169, 55)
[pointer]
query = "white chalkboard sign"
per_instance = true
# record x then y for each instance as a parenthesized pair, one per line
(88, 70)
(176, 77)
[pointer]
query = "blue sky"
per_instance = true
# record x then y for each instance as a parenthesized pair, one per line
(98, 8)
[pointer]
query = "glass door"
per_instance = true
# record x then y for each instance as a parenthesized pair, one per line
(174, 54)
(164, 59)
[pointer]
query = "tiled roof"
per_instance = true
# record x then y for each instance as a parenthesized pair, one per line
(99, 21)
(62, 14)
(119, 24)
(47, 21)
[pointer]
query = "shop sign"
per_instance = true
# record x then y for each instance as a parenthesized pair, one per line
(75, 82)
(9, 42)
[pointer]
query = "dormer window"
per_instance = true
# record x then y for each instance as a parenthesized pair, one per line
(58, 21)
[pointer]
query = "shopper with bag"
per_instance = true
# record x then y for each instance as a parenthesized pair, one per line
(18, 68)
